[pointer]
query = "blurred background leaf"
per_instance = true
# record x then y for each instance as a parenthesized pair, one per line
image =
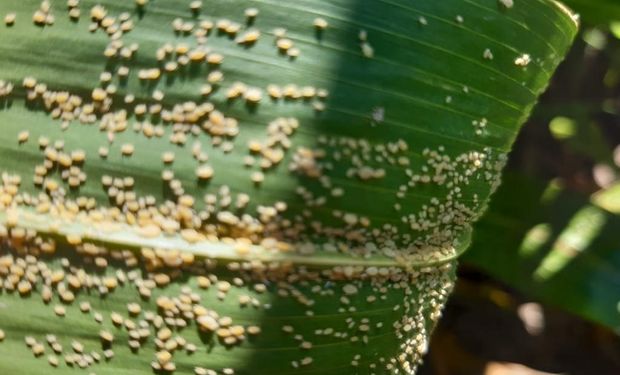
(557, 237)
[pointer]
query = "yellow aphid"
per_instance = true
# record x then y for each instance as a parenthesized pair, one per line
(249, 37)
(78, 156)
(257, 177)
(293, 52)
(97, 13)
(59, 310)
(215, 76)
(215, 58)
(279, 32)
(204, 172)
(195, 5)
(99, 94)
(39, 18)
(127, 149)
(9, 19)
(23, 136)
(103, 152)
(274, 91)
(74, 239)
(149, 74)
(320, 23)
(251, 13)
(106, 336)
(507, 3)
(233, 28)
(74, 13)
(197, 55)
(167, 157)
(134, 308)
(253, 95)
(284, 44)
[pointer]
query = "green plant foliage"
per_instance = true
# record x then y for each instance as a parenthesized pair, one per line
(555, 245)
(596, 11)
(318, 165)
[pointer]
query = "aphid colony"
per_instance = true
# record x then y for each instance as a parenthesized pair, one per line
(208, 218)
(175, 324)
(316, 219)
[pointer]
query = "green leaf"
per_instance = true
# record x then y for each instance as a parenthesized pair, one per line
(596, 11)
(347, 200)
(555, 245)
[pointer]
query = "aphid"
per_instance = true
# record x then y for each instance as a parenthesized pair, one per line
(195, 6)
(206, 90)
(74, 13)
(85, 306)
(257, 177)
(29, 82)
(103, 152)
(99, 94)
(23, 136)
(215, 58)
(77, 346)
(163, 357)
(253, 95)
(38, 349)
(251, 13)
(215, 77)
(253, 330)
(284, 44)
(158, 95)
(9, 19)
(190, 348)
(116, 318)
(52, 360)
(108, 354)
(248, 37)
(78, 156)
(367, 50)
(204, 172)
(167, 157)
(98, 317)
(39, 18)
(164, 334)
(349, 289)
(123, 71)
(523, 60)
(306, 361)
(320, 23)
(487, 54)
(293, 52)
(274, 91)
(106, 337)
(134, 309)
(127, 149)
(507, 3)
(279, 32)
(59, 310)
(233, 28)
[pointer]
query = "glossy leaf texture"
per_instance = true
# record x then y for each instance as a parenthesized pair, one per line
(319, 164)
